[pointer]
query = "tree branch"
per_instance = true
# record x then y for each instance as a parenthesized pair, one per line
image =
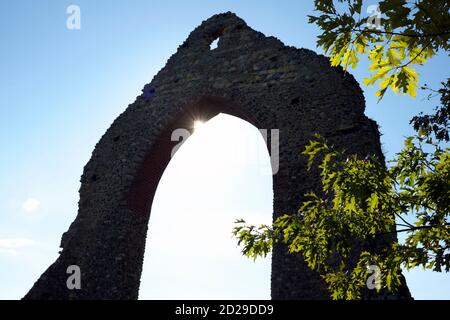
(416, 35)
(414, 228)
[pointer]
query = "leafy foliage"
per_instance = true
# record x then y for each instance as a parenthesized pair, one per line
(356, 213)
(438, 123)
(408, 34)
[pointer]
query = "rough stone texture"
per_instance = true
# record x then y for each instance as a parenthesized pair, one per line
(249, 75)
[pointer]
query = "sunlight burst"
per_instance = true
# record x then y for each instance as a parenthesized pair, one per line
(198, 124)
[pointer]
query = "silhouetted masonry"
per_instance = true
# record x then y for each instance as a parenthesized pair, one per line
(249, 75)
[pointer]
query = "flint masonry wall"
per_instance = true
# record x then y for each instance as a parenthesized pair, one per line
(249, 75)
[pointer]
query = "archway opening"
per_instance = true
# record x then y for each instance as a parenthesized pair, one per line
(222, 172)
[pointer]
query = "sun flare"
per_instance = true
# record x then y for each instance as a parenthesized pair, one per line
(198, 124)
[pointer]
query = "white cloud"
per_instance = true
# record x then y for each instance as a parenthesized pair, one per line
(31, 204)
(12, 245)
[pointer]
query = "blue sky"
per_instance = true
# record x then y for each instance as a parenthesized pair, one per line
(60, 91)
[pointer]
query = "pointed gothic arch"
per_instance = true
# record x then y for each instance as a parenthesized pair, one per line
(249, 75)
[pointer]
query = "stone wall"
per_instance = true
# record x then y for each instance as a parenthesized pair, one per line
(249, 75)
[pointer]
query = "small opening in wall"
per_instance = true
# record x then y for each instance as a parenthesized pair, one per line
(214, 44)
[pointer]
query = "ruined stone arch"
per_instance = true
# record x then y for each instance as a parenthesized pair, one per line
(249, 75)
